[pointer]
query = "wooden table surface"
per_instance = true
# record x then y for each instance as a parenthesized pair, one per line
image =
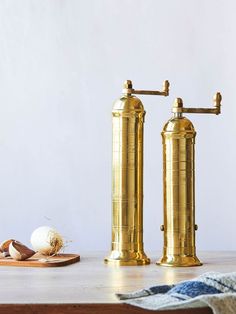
(90, 286)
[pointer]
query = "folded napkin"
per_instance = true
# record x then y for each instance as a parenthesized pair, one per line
(216, 290)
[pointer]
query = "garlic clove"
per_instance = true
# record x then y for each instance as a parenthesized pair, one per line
(4, 247)
(19, 251)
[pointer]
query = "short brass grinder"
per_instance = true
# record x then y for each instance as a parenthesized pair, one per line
(178, 138)
(127, 177)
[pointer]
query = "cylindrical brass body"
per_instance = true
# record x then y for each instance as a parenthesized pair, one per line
(179, 227)
(127, 183)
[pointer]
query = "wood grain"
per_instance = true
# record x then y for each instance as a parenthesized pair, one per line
(90, 286)
(88, 308)
(40, 261)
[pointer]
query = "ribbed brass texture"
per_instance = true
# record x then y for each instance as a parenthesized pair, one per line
(127, 180)
(178, 138)
(127, 227)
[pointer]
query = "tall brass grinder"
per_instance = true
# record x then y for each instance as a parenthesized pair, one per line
(178, 137)
(127, 177)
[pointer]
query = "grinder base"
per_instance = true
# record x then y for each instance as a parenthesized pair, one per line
(179, 261)
(126, 258)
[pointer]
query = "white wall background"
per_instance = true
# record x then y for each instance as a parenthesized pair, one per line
(62, 64)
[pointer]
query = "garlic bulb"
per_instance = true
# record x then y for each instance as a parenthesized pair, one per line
(19, 251)
(46, 240)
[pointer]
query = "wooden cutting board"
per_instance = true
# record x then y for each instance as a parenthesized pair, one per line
(41, 261)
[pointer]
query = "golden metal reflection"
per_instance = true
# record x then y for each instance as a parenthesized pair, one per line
(178, 138)
(127, 177)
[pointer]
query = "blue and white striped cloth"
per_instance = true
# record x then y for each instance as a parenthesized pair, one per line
(216, 290)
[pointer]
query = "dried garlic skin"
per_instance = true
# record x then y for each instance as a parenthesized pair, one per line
(4, 247)
(19, 251)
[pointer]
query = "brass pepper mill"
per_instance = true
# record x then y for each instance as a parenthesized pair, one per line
(127, 177)
(178, 137)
